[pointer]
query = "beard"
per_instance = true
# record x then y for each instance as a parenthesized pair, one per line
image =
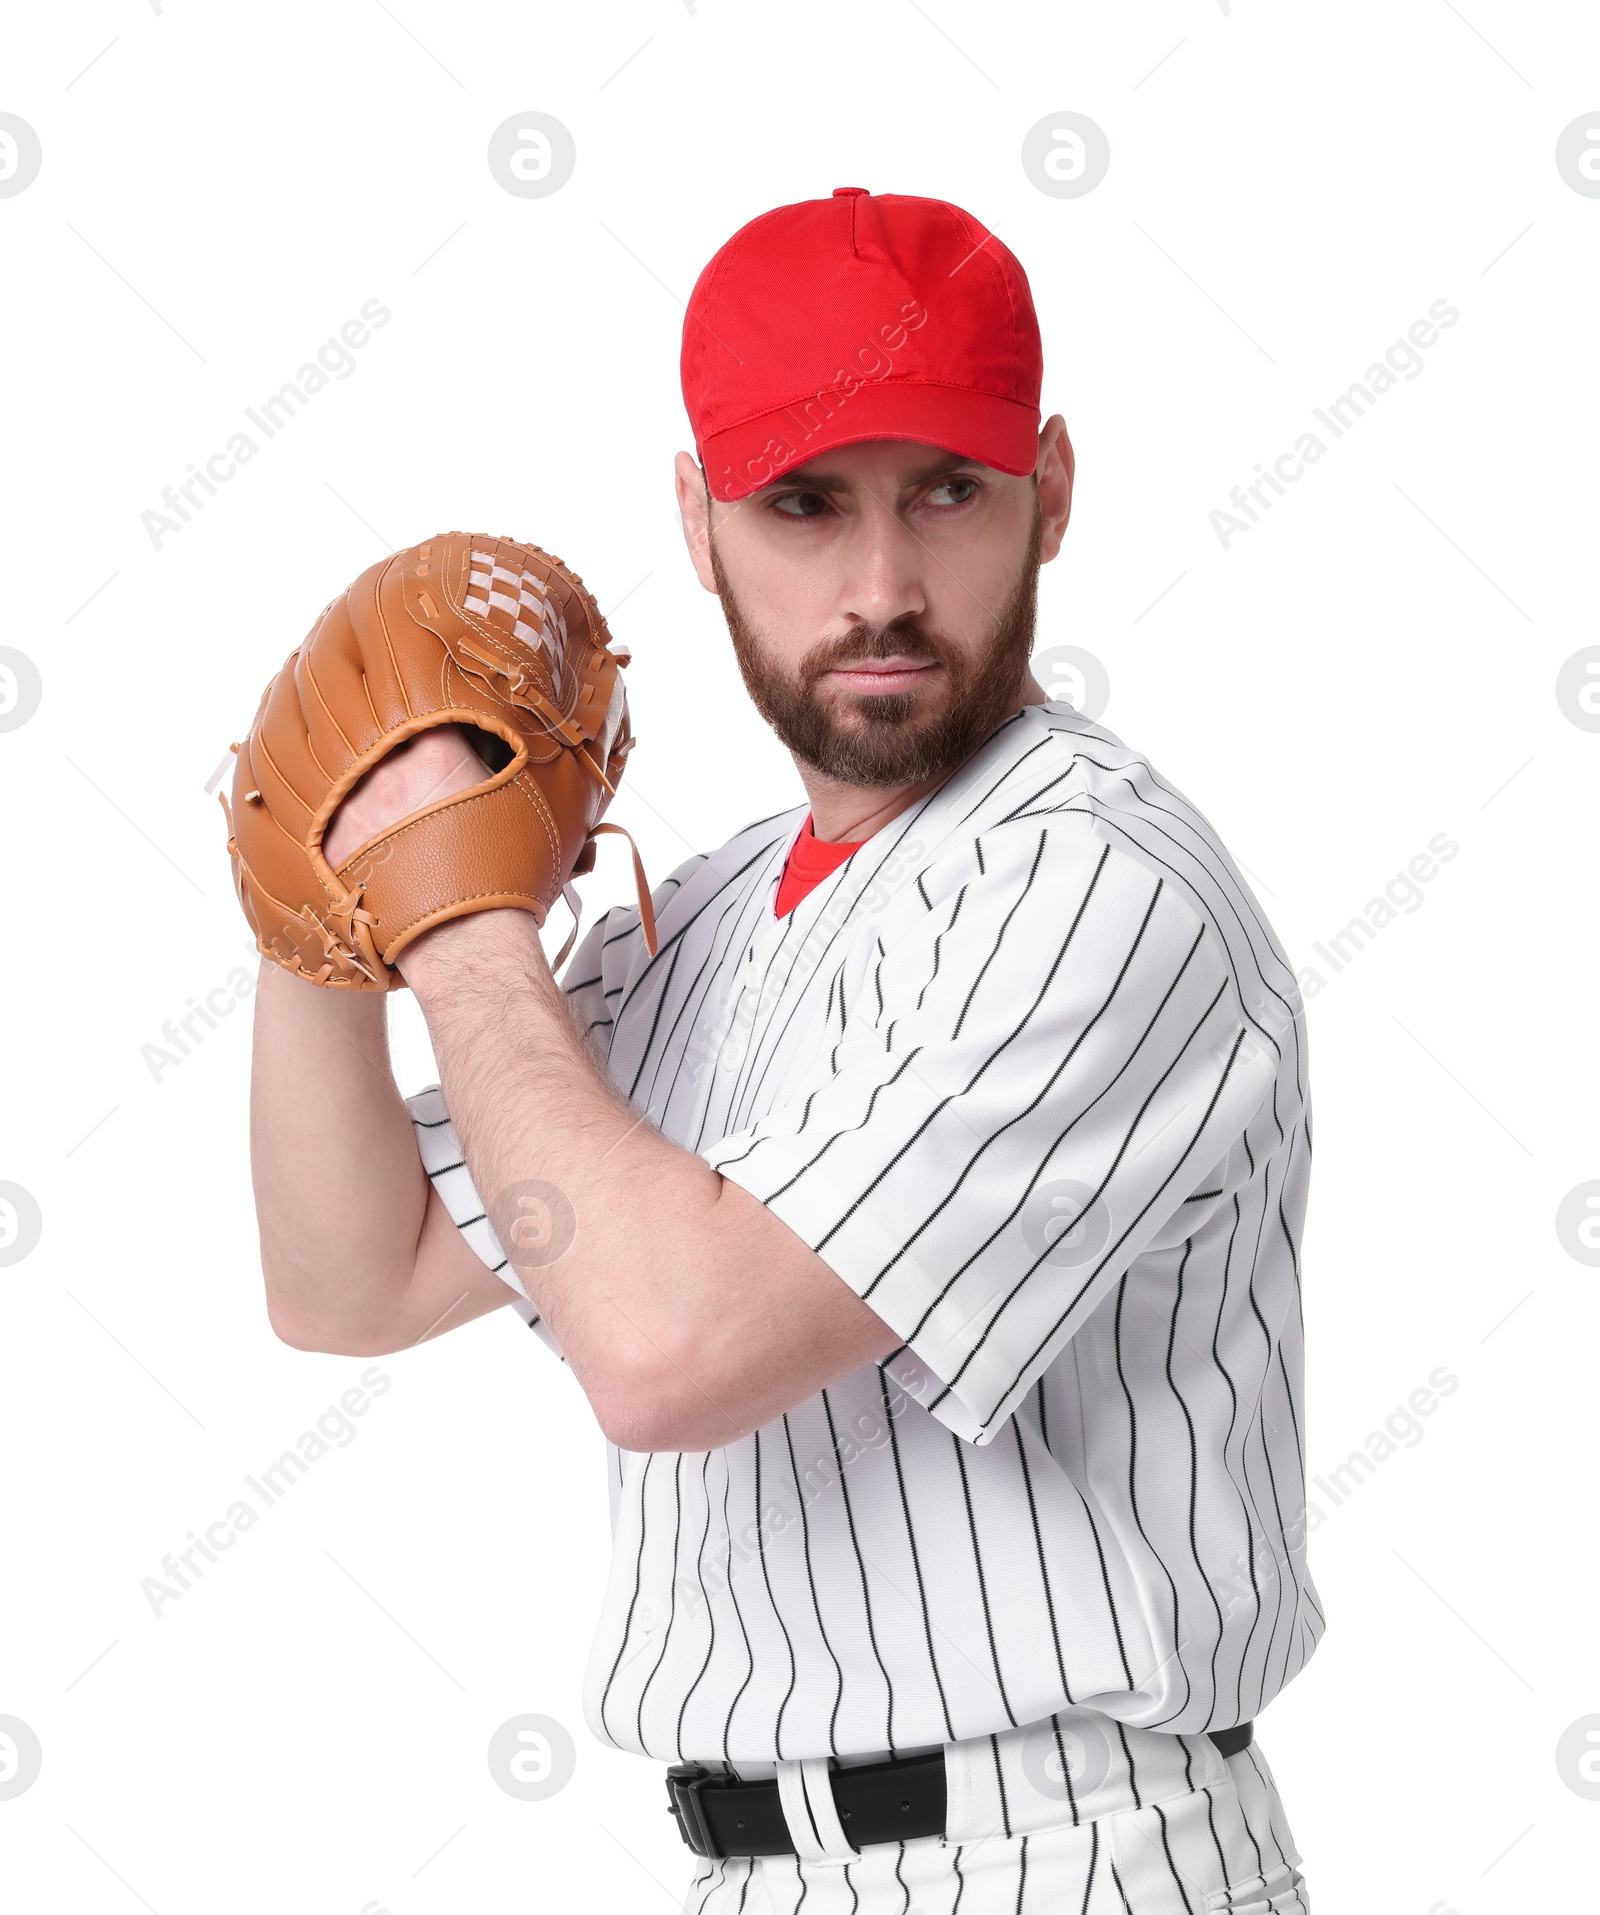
(893, 738)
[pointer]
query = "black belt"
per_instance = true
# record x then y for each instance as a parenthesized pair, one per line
(894, 1801)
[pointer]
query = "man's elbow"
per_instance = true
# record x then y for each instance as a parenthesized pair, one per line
(302, 1321)
(303, 1331)
(656, 1408)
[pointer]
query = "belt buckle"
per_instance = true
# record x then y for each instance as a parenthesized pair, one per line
(684, 1783)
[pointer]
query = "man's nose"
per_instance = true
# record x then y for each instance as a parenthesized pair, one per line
(884, 576)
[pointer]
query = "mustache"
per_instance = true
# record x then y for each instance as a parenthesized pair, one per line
(901, 638)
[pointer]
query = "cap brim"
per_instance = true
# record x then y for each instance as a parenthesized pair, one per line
(977, 425)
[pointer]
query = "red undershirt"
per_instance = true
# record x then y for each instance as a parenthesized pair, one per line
(810, 861)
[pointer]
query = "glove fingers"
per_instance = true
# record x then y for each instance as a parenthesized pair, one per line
(276, 760)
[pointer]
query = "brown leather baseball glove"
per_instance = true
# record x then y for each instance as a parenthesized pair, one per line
(464, 629)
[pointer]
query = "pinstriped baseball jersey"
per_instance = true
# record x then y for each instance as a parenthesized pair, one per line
(1029, 1073)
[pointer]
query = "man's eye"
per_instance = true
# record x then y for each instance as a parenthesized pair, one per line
(963, 489)
(800, 505)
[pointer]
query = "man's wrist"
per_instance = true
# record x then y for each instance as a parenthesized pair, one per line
(481, 953)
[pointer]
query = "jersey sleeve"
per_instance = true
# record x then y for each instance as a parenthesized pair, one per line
(597, 972)
(442, 1159)
(1043, 1059)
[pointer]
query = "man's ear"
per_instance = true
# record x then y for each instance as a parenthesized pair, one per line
(694, 509)
(1053, 476)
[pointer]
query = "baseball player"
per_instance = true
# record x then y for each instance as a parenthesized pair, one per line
(914, 1184)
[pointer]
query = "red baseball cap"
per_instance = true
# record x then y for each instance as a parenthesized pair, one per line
(862, 316)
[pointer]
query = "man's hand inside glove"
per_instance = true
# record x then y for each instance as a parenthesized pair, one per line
(433, 764)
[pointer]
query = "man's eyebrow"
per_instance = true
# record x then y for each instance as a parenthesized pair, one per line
(809, 479)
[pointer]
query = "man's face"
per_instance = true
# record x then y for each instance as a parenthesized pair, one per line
(881, 604)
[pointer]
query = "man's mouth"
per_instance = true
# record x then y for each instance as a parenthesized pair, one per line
(882, 676)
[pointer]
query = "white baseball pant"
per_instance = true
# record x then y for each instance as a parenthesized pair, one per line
(1165, 1825)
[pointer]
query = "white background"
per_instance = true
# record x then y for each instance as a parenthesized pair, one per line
(1372, 664)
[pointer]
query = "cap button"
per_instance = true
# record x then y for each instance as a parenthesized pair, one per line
(849, 192)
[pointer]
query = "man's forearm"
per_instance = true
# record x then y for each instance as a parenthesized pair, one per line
(531, 1108)
(688, 1312)
(340, 1191)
